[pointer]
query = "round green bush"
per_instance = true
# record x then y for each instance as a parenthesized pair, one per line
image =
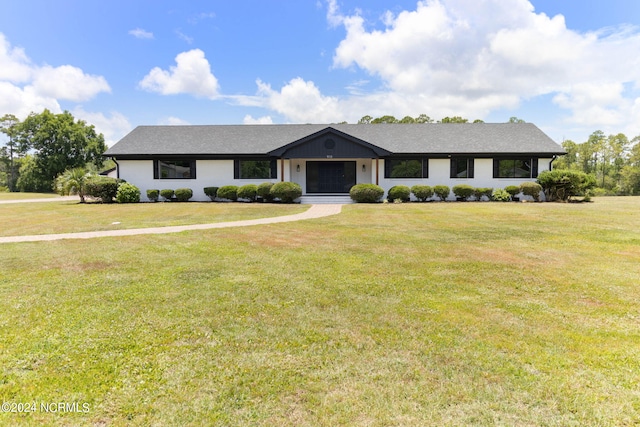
(248, 192)
(211, 192)
(166, 194)
(532, 189)
(183, 194)
(513, 190)
(399, 192)
(229, 192)
(463, 191)
(102, 187)
(422, 192)
(264, 191)
(153, 195)
(128, 193)
(479, 192)
(562, 184)
(442, 191)
(500, 195)
(286, 191)
(366, 193)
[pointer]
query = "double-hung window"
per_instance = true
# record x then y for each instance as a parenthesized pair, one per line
(461, 167)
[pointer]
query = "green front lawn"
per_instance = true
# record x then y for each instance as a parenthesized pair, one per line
(71, 217)
(411, 314)
(22, 196)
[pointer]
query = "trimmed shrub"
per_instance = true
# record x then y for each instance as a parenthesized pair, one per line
(399, 192)
(211, 192)
(513, 190)
(366, 193)
(264, 191)
(442, 191)
(103, 188)
(128, 193)
(153, 195)
(286, 191)
(228, 192)
(248, 192)
(422, 192)
(482, 191)
(500, 195)
(562, 184)
(167, 195)
(463, 191)
(183, 194)
(532, 189)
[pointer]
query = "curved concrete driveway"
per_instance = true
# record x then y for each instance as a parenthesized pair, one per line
(315, 211)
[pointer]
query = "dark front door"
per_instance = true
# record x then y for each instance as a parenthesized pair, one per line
(330, 177)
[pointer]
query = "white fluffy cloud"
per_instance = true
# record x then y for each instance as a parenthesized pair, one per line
(300, 101)
(472, 57)
(15, 66)
(68, 83)
(23, 101)
(191, 75)
(113, 126)
(26, 87)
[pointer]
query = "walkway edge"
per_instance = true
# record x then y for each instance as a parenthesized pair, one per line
(42, 200)
(315, 211)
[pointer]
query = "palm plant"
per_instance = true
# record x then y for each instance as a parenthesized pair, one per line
(72, 181)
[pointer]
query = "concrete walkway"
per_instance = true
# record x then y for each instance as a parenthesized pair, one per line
(315, 211)
(44, 199)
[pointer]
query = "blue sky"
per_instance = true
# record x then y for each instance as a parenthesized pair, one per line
(570, 67)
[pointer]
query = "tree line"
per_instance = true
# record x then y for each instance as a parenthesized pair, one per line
(614, 161)
(422, 118)
(44, 146)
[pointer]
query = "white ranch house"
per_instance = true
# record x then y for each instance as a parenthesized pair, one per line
(327, 160)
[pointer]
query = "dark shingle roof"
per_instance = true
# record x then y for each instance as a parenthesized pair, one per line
(432, 138)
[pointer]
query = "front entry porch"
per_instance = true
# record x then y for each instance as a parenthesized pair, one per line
(329, 162)
(330, 176)
(324, 179)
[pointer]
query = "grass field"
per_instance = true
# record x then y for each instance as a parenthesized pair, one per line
(413, 314)
(71, 217)
(22, 196)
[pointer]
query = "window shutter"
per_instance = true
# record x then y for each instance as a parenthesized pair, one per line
(156, 170)
(274, 168)
(192, 172)
(236, 169)
(454, 170)
(534, 167)
(496, 168)
(470, 168)
(425, 168)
